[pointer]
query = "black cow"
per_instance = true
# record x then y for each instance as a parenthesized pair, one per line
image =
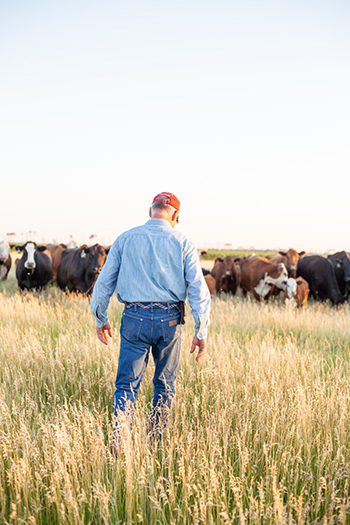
(34, 269)
(319, 273)
(341, 264)
(79, 268)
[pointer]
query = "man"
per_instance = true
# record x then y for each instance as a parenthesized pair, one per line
(153, 267)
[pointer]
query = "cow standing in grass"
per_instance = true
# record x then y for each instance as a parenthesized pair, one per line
(260, 276)
(79, 268)
(341, 265)
(319, 273)
(296, 292)
(34, 269)
(227, 274)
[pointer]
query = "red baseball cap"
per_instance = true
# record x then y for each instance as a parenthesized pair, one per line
(167, 198)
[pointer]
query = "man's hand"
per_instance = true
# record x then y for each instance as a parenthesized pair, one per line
(201, 345)
(101, 333)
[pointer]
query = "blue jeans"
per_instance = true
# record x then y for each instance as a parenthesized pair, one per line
(142, 331)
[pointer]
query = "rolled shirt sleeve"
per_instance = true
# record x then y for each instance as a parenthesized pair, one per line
(198, 292)
(105, 286)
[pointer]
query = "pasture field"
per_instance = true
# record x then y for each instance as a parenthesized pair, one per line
(259, 431)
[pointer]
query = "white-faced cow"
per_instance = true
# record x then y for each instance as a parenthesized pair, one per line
(289, 259)
(260, 276)
(34, 269)
(79, 268)
(227, 274)
(5, 260)
(296, 292)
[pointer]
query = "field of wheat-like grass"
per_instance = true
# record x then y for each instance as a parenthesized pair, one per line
(259, 431)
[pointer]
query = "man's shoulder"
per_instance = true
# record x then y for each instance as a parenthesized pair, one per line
(145, 229)
(128, 233)
(181, 237)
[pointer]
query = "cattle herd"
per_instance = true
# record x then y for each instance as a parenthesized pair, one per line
(296, 274)
(71, 268)
(75, 269)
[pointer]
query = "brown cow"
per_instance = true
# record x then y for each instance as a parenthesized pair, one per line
(5, 260)
(289, 259)
(211, 283)
(227, 274)
(56, 255)
(259, 276)
(296, 292)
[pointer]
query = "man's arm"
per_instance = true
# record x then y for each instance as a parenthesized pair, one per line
(103, 290)
(198, 297)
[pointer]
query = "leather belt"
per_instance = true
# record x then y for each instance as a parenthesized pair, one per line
(165, 306)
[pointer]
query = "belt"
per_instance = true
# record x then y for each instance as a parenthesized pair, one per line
(165, 306)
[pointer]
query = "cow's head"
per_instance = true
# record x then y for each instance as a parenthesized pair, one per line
(291, 261)
(278, 276)
(290, 293)
(95, 258)
(29, 250)
(228, 280)
(4, 251)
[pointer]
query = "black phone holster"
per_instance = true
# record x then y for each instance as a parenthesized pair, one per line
(182, 310)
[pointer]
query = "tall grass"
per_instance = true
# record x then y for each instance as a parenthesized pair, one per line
(259, 431)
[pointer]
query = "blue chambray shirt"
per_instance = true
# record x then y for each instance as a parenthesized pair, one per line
(153, 263)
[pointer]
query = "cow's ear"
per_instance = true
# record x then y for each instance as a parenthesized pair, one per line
(84, 252)
(20, 248)
(283, 253)
(107, 249)
(41, 248)
(301, 254)
(339, 263)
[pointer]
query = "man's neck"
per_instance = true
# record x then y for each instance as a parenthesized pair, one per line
(164, 218)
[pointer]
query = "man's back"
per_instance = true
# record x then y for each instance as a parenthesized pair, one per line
(152, 263)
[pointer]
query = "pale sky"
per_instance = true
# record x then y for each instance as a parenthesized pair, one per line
(242, 109)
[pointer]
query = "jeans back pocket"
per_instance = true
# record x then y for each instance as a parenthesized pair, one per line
(131, 326)
(169, 327)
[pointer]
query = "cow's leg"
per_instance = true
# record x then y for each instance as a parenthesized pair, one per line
(271, 292)
(257, 296)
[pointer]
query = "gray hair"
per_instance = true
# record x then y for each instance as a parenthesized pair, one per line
(161, 207)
